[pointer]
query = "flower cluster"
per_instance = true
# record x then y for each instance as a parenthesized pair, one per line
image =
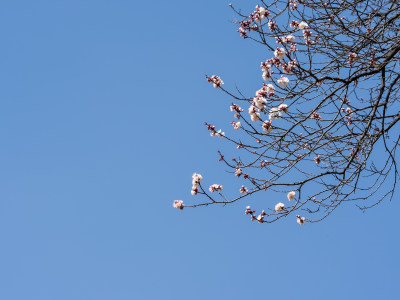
(237, 109)
(236, 125)
(238, 172)
(178, 204)
(283, 81)
(289, 67)
(293, 5)
(260, 217)
(196, 179)
(267, 127)
(279, 53)
(349, 115)
(215, 80)
(302, 25)
(267, 73)
(283, 108)
(215, 187)
(259, 14)
(254, 115)
(213, 132)
(243, 190)
(300, 220)
(315, 116)
(274, 113)
(279, 208)
(272, 25)
(352, 58)
(294, 24)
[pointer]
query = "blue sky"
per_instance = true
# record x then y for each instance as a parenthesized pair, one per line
(101, 126)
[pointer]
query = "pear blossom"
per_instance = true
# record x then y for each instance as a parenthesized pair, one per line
(291, 195)
(274, 113)
(283, 81)
(300, 220)
(178, 204)
(302, 25)
(279, 207)
(283, 108)
(279, 53)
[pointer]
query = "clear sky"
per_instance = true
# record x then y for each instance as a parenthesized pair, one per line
(102, 105)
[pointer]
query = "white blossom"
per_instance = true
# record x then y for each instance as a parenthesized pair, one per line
(236, 125)
(283, 108)
(243, 190)
(238, 172)
(220, 133)
(291, 195)
(300, 220)
(267, 127)
(279, 207)
(215, 187)
(274, 113)
(266, 75)
(279, 53)
(254, 115)
(216, 81)
(269, 88)
(196, 178)
(289, 38)
(283, 81)
(260, 102)
(303, 25)
(178, 204)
